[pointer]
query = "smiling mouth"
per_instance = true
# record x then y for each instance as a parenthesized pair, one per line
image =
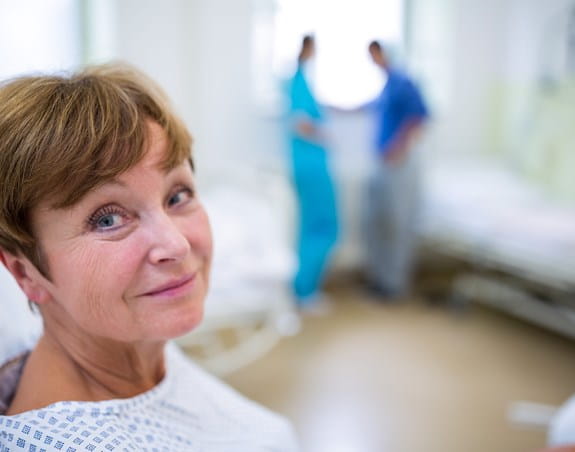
(173, 287)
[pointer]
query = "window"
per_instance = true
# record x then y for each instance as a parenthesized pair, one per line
(342, 73)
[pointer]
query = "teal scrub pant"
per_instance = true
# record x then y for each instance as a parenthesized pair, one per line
(318, 223)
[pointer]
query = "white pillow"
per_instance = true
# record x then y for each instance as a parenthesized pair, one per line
(19, 327)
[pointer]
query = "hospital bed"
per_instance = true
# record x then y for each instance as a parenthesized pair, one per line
(518, 251)
(518, 246)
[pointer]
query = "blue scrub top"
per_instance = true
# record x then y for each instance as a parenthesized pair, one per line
(301, 100)
(399, 101)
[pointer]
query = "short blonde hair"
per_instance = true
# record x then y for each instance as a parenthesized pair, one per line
(61, 136)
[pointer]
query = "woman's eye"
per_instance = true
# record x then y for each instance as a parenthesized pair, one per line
(107, 219)
(180, 197)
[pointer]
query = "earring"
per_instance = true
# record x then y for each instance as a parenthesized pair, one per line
(32, 305)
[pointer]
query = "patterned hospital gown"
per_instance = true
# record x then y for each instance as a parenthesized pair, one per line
(188, 411)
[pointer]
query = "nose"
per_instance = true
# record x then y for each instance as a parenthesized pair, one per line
(168, 242)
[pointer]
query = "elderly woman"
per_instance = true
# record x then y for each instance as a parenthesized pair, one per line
(102, 228)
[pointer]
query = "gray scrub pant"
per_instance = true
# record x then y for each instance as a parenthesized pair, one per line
(390, 222)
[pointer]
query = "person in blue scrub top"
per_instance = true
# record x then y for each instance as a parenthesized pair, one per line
(314, 188)
(393, 195)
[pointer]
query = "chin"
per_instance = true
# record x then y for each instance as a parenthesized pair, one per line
(182, 323)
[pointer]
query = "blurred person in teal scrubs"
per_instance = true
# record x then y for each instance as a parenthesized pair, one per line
(318, 223)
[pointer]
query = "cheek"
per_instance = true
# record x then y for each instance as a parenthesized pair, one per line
(96, 274)
(199, 234)
(208, 239)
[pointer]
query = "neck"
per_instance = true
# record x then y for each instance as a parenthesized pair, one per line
(108, 369)
(384, 67)
(67, 366)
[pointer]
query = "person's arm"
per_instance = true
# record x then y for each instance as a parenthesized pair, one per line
(305, 127)
(303, 111)
(416, 114)
(404, 139)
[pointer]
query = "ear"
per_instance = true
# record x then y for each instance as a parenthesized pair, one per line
(31, 281)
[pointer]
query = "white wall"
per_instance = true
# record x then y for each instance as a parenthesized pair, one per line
(536, 39)
(479, 62)
(38, 36)
(458, 49)
(199, 51)
(155, 39)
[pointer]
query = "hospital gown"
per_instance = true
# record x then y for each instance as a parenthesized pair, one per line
(188, 411)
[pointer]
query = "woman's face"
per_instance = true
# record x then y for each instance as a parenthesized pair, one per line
(131, 260)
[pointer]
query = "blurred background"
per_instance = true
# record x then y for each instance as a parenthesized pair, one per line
(482, 353)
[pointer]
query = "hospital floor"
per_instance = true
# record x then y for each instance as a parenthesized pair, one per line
(414, 376)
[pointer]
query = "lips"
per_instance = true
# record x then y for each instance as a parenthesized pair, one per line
(171, 286)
